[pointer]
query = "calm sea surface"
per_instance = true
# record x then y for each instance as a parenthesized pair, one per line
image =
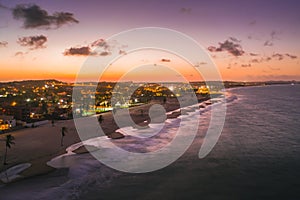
(257, 157)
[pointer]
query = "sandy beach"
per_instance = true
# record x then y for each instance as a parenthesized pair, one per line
(39, 145)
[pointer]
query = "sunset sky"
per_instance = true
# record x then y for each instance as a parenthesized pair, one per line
(247, 40)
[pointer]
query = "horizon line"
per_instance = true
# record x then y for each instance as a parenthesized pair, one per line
(69, 82)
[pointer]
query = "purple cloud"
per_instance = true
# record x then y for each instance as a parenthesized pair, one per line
(3, 6)
(104, 53)
(20, 54)
(235, 39)
(255, 61)
(3, 44)
(101, 43)
(246, 65)
(253, 54)
(267, 59)
(122, 52)
(78, 51)
(165, 60)
(268, 43)
(33, 42)
(35, 17)
(200, 63)
(97, 48)
(252, 22)
(291, 56)
(228, 46)
(274, 35)
(278, 56)
(186, 10)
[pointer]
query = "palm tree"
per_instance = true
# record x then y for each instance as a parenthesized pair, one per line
(9, 140)
(64, 130)
(100, 119)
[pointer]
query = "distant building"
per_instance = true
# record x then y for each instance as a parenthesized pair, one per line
(19, 112)
(203, 90)
(7, 122)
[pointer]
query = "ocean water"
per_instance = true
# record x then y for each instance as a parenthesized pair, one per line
(256, 157)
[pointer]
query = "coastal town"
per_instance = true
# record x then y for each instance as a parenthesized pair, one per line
(34, 102)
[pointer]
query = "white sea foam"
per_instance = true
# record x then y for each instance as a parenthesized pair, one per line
(13, 172)
(169, 126)
(82, 166)
(86, 172)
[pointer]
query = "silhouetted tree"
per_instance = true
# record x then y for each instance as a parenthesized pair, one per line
(164, 100)
(9, 140)
(64, 130)
(142, 112)
(44, 107)
(100, 119)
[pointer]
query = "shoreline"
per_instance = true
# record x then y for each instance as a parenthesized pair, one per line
(38, 161)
